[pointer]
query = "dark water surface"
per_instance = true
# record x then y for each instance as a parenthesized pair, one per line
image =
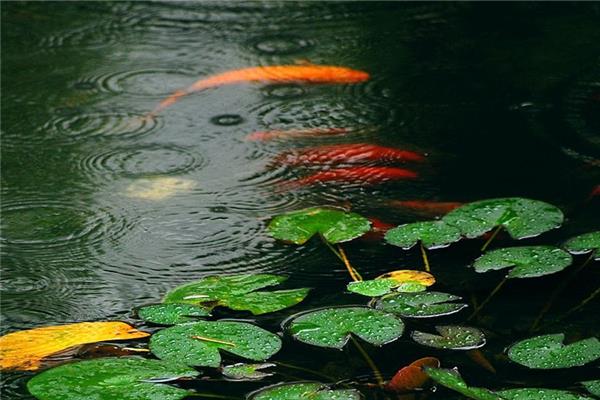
(504, 98)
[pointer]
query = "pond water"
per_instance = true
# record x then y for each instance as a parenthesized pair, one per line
(104, 210)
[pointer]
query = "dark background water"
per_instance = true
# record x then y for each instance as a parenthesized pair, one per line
(504, 98)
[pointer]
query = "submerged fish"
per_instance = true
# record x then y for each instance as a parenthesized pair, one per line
(346, 153)
(158, 188)
(295, 133)
(272, 74)
(428, 207)
(378, 230)
(361, 175)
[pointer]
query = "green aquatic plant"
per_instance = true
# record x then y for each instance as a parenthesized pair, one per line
(237, 292)
(429, 235)
(199, 343)
(304, 390)
(592, 386)
(111, 378)
(583, 244)
(549, 352)
(522, 218)
(242, 371)
(420, 304)
(527, 262)
(451, 379)
(404, 280)
(331, 225)
(171, 314)
(540, 394)
(451, 337)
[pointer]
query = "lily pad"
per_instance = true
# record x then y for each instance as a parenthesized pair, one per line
(171, 314)
(198, 343)
(522, 218)
(528, 261)
(373, 288)
(452, 380)
(582, 244)
(540, 394)
(308, 390)
(401, 280)
(334, 225)
(411, 287)
(451, 337)
(237, 292)
(332, 327)
(242, 371)
(420, 305)
(111, 378)
(549, 352)
(432, 234)
(592, 386)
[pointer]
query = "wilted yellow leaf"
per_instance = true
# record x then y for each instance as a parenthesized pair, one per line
(24, 350)
(158, 188)
(408, 275)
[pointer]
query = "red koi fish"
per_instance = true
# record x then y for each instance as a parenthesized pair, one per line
(295, 133)
(432, 208)
(594, 193)
(378, 230)
(346, 153)
(362, 175)
(272, 74)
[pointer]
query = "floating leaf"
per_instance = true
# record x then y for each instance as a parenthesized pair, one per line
(540, 394)
(432, 234)
(528, 261)
(582, 244)
(373, 288)
(522, 218)
(237, 292)
(198, 343)
(549, 352)
(171, 314)
(242, 371)
(593, 387)
(334, 225)
(24, 350)
(297, 391)
(452, 380)
(451, 337)
(111, 378)
(412, 376)
(331, 327)
(420, 305)
(411, 287)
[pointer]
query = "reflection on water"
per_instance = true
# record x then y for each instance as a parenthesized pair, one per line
(80, 241)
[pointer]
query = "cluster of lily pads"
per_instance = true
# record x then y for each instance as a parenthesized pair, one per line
(193, 339)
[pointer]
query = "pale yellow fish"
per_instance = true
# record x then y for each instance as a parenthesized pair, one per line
(159, 188)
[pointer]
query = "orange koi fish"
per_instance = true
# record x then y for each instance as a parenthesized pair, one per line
(272, 74)
(346, 153)
(295, 133)
(378, 230)
(432, 208)
(362, 175)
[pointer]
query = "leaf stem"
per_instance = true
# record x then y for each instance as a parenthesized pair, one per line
(583, 303)
(376, 371)
(207, 339)
(556, 292)
(424, 255)
(136, 349)
(487, 299)
(487, 242)
(316, 373)
(353, 272)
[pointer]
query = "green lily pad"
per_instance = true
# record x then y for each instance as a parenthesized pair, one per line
(109, 379)
(334, 225)
(582, 244)
(420, 305)
(549, 352)
(242, 371)
(451, 337)
(198, 343)
(452, 380)
(171, 314)
(432, 234)
(540, 394)
(373, 288)
(592, 386)
(331, 327)
(308, 391)
(237, 292)
(528, 261)
(522, 218)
